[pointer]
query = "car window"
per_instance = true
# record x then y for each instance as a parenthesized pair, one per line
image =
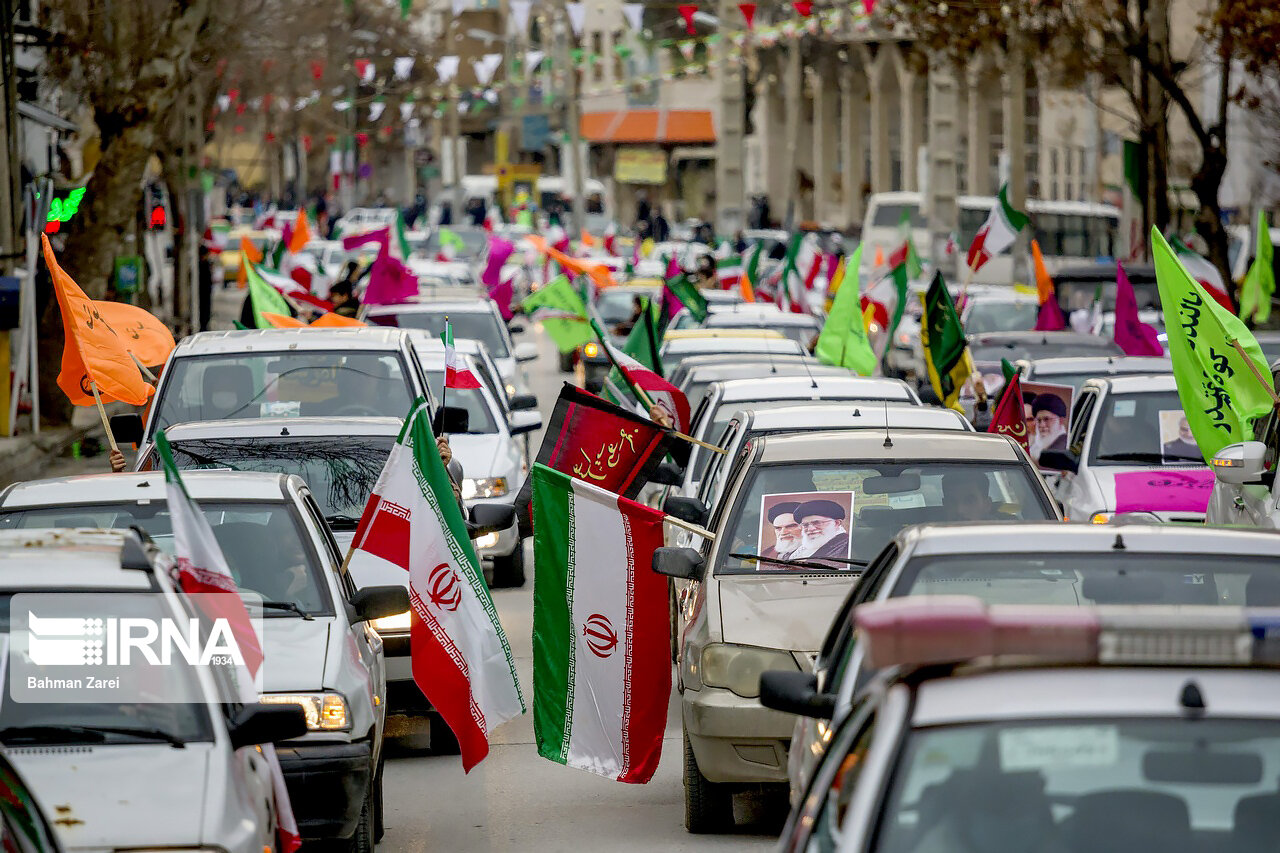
(481, 415)
(836, 781)
(1093, 783)
(843, 511)
(724, 440)
(284, 384)
(990, 316)
(483, 326)
(1080, 414)
(1146, 428)
(264, 542)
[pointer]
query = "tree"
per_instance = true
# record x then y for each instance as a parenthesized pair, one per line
(1129, 46)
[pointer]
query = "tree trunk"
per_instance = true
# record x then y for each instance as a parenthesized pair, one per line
(1206, 183)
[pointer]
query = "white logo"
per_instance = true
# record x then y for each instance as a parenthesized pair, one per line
(121, 641)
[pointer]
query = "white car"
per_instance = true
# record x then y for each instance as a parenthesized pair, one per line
(477, 319)
(1075, 370)
(1124, 728)
(456, 273)
(695, 375)
(264, 373)
(319, 648)
(758, 343)
(1245, 492)
(801, 328)
(175, 773)
(1128, 450)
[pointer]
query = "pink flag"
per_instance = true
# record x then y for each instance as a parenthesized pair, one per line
(499, 291)
(1050, 318)
(1131, 334)
(390, 282)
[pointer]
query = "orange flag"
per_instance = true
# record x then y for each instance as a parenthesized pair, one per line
(92, 351)
(748, 292)
(587, 239)
(280, 321)
(1044, 283)
(248, 253)
(331, 320)
(301, 233)
(143, 335)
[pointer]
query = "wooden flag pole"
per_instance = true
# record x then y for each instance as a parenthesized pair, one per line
(1253, 368)
(106, 424)
(692, 528)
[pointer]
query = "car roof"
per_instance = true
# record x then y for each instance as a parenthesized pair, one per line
(1020, 537)
(73, 557)
(1135, 383)
(713, 334)
(143, 485)
(733, 368)
(274, 427)
(479, 305)
(802, 387)
(728, 319)
(715, 359)
(907, 444)
(1104, 363)
(997, 338)
(773, 343)
(873, 415)
(635, 285)
(276, 340)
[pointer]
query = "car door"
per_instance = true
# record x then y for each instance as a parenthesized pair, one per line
(1072, 489)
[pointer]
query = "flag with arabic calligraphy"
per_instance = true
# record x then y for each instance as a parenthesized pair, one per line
(591, 439)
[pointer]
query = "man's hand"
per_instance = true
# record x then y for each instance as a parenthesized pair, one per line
(660, 417)
(446, 453)
(117, 461)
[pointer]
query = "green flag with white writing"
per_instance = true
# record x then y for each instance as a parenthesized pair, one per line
(843, 341)
(560, 310)
(1220, 393)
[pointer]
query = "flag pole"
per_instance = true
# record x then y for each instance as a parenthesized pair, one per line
(1253, 368)
(106, 424)
(692, 528)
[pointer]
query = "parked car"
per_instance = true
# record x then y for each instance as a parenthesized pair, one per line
(320, 650)
(752, 606)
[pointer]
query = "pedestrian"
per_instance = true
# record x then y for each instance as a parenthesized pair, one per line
(344, 299)
(643, 210)
(205, 286)
(661, 228)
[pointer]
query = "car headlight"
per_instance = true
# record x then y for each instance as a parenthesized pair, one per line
(326, 712)
(483, 487)
(511, 390)
(488, 540)
(738, 668)
(1101, 517)
(591, 349)
(398, 622)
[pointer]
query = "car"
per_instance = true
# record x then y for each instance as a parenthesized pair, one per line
(478, 319)
(262, 373)
(763, 343)
(1128, 449)
(1003, 309)
(1077, 286)
(321, 650)
(455, 274)
(695, 375)
(614, 307)
(1244, 489)
(801, 328)
(771, 392)
(493, 461)
(181, 763)
(1125, 728)
(1026, 563)
(475, 241)
(990, 348)
(1269, 341)
(1075, 370)
(749, 609)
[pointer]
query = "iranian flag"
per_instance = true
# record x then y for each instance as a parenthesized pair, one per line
(662, 393)
(791, 284)
(728, 271)
(459, 654)
(998, 232)
(1203, 271)
(601, 661)
(202, 569)
(456, 375)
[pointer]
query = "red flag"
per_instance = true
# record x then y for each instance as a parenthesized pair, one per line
(748, 11)
(803, 7)
(686, 11)
(1009, 418)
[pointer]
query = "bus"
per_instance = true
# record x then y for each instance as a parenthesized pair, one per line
(1069, 232)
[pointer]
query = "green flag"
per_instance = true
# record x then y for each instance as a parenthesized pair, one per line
(1008, 370)
(843, 341)
(642, 345)
(946, 353)
(1260, 282)
(689, 295)
(1220, 393)
(559, 308)
(264, 298)
(453, 241)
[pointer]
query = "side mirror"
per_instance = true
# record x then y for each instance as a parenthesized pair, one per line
(526, 351)
(521, 402)
(682, 563)
(796, 693)
(451, 419)
(668, 474)
(490, 518)
(1059, 460)
(691, 510)
(515, 328)
(1237, 464)
(526, 421)
(260, 722)
(127, 428)
(375, 602)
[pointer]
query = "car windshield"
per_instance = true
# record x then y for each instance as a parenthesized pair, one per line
(303, 383)
(483, 326)
(1082, 578)
(1143, 428)
(1075, 380)
(264, 543)
(1086, 784)
(617, 306)
(992, 316)
(801, 334)
(1014, 350)
(850, 510)
(480, 415)
(340, 470)
(157, 709)
(473, 240)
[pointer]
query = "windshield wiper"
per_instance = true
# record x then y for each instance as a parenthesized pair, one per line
(803, 564)
(72, 733)
(342, 522)
(1143, 456)
(291, 606)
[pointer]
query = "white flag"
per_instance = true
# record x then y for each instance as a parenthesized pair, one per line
(520, 14)
(531, 60)
(403, 66)
(577, 16)
(485, 66)
(634, 13)
(447, 68)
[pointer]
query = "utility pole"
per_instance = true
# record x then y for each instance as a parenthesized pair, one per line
(571, 160)
(943, 214)
(1015, 134)
(731, 188)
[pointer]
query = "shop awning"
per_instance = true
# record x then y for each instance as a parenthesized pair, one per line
(637, 126)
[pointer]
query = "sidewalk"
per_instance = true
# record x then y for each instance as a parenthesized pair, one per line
(26, 456)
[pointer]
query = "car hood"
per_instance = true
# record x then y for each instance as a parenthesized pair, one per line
(480, 454)
(106, 796)
(779, 612)
(294, 653)
(1166, 490)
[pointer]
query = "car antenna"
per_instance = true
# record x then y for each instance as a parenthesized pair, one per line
(813, 383)
(888, 440)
